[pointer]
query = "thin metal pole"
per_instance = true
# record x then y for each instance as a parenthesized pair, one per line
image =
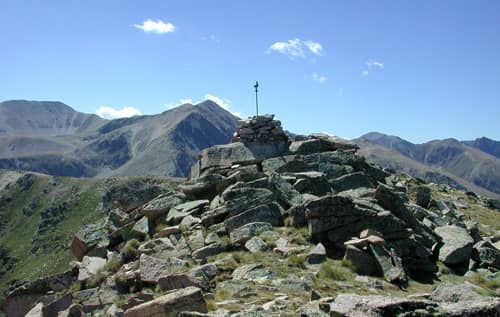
(256, 102)
(256, 86)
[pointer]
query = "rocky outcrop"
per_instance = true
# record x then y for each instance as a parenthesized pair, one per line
(263, 222)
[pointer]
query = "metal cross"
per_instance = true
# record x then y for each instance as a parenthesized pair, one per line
(256, 86)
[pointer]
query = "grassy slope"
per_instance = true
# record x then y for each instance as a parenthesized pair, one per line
(19, 233)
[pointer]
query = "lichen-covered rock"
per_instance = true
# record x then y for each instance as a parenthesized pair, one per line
(87, 238)
(255, 245)
(152, 269)
(246, 232)
(162, 204)
(271, 213)
(194, 208)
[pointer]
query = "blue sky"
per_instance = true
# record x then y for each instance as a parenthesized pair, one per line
(418, 69)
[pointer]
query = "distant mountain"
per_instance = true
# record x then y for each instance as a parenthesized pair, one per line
(486, 145)
(462, 164)
(52, 138)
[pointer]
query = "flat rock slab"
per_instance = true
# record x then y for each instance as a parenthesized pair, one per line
(374, 305)
(171, 304)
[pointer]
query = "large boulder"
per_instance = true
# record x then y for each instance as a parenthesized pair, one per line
(227, 155)
(341, 218)
(238, 199)
(457, 245)
(88, 238)
(171, 304)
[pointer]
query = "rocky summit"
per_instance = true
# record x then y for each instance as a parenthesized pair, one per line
(275, 226)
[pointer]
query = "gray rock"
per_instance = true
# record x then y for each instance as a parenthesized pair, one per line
(205, 252)
(196, 240)
(119, 217)
(152, 269)
(271, 213)
(162, 204)
(457, 245)
(90, 266)
(317, 255)
(37, 311)
(351, 181)
(454, 293)
(375, 305)
(239, 199)
(486, 255)
(253, 272)
(237, 288)
(255, 245)
(89, 237)
(176, 281)
(390, 264)
(287, 195)
(421, 195)
(343, 218)
(185, 299)
(246, 232)
(364, 262)
(162, 248)
(141, 228)
(194, 208)
(485, 307)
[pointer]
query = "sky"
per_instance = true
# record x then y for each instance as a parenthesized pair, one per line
(421, 70)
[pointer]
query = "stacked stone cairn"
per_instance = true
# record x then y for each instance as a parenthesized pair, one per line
(260, 129)
(262, 217)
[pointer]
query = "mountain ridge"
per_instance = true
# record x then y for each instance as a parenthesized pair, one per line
(98, 147)
(457, 160)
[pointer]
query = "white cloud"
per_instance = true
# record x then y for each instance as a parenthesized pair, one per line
(296, 48)
(319, 78)
(158, 26)
(112, 113)
(223, 102)
(314, 47)
(371, 66)
(211, 37)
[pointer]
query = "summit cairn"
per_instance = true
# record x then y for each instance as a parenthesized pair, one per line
(256, 139)
(260, 129)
